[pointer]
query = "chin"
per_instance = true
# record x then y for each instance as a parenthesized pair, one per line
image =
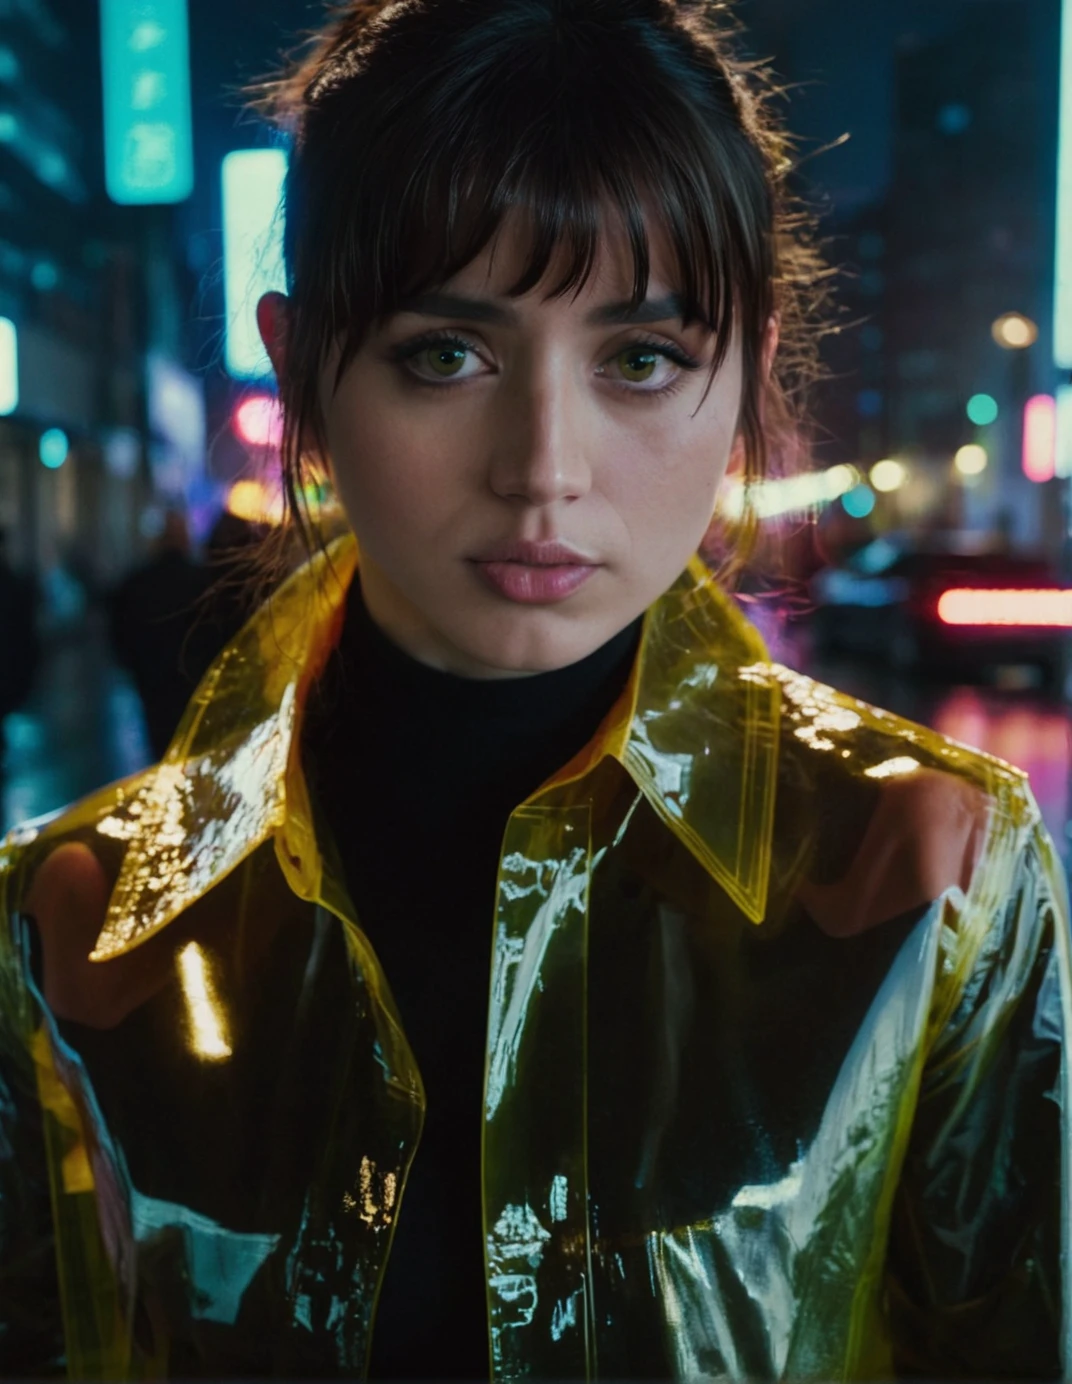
(531, 640)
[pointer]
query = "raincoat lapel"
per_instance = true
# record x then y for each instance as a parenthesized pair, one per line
(703, 737)
(231, 777)
(697, 730)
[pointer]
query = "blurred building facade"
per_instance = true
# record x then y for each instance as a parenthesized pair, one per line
(970, 238)
(854, 422)
(954, 229)
(98, 302)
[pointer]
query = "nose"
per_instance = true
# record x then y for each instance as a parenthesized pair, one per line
(538, 454)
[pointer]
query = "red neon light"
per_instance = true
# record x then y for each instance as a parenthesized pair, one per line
(1040, 438)
(974, 606)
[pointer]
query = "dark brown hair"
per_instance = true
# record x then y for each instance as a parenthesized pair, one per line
(418, 124)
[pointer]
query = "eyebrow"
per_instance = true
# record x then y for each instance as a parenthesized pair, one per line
(623, 314)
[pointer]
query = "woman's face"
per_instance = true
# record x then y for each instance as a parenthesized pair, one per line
(472, 423)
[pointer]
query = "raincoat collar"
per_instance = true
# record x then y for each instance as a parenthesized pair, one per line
(695, 727)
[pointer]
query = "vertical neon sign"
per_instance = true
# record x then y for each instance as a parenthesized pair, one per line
(1040, 435)
(252, 252)
(1062, 289)
(148, 139)
(9, 366)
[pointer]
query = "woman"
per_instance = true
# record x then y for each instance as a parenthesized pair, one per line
(508, 967)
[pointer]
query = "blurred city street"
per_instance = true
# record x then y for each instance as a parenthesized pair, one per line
(82, 727)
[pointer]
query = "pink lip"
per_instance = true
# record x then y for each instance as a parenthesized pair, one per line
(550, 553)
(531, 584)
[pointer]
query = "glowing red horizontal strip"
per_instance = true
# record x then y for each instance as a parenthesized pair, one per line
(976, 606)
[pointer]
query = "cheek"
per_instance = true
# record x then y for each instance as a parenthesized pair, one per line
(669, 471)
(387, 460)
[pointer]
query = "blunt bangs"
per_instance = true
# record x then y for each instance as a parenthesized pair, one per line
(439, 219)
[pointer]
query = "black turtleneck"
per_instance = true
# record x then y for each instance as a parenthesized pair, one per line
(415, 772)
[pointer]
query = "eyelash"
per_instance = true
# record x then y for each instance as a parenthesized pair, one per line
(409, 349)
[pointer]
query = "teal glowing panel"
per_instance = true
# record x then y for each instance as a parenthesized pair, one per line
(9, 367)
(1062, 304)
(148, 139)
(1063, 428)
(252, 252)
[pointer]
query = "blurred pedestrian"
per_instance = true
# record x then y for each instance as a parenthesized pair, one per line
(151, 615)
(231, 587)
(232, 571)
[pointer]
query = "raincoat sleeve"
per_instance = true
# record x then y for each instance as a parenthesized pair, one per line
(976, 1272)
(31, 1333)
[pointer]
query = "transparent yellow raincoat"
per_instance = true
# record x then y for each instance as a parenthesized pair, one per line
(775, 1081)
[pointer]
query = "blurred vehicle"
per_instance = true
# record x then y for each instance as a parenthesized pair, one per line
(945, 604)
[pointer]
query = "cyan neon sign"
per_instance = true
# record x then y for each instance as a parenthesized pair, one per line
(148, 140)
(1062, 288)
(9, 367)
(252, 252)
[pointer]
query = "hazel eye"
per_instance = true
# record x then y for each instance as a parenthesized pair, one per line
(638, 364)
(445, 360)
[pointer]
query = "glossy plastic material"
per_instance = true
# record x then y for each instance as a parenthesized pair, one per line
(775, 1082)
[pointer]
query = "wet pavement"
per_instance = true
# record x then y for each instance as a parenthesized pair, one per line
(84, 728)
(81, 728)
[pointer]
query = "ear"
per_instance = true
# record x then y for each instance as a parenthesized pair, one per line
(273, 319)
(770, 343)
